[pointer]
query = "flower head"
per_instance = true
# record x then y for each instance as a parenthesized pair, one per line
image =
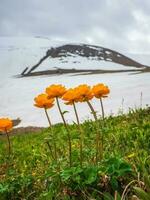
(84, 93)
(55, 91)
(42, 101)
(71, 96)
(5, 124)
(100, 90)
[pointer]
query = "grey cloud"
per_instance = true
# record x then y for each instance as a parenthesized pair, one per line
(108, 23)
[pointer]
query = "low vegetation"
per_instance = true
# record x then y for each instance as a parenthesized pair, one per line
(104, 159)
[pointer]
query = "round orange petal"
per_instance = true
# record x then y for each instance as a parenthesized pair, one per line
(5, 124)
(71, 96)
(42, 101)
(84, 93)
(55, 91)
(100, 90)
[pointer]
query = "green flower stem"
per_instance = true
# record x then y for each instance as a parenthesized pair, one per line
(68, 134)
(54, 143)
(102, 107)
(48, 118)
(92, 110)
(99, 146)
(81, 135)
(50, 149)
(9, 145)
(103, 124)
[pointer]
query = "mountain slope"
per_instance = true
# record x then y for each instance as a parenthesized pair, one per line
(81, 58)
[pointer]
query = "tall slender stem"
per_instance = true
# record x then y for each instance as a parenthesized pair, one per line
(9, 146)
(99, 145)
(68, 134)
(97, 134)
(102, 107)
(92, 110)
(54, 143)
(50, 149)
(81, 135)
(103, 124)
(76, 114)
(48, 118)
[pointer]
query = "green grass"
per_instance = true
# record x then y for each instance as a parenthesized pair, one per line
(31, 173)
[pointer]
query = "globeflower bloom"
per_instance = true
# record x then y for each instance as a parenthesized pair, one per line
(84, 93)
(5, 125)
(71, 96)
(42, 101)
(100, 90)
(55, 91)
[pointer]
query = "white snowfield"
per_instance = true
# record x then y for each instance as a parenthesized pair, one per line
(79, 62)
(17, 94)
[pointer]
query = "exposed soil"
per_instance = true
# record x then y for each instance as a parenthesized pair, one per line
(60, 71)
(25, 130)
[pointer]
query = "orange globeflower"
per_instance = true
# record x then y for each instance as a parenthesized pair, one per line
(42, 101)
(55, 91)
(5, 124)
(100, 90)
(84, 93)
(71, 96)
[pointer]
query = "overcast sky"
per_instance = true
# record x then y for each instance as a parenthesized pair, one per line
(119, 24)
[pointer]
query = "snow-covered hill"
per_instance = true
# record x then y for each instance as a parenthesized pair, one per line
(17, 94)
(82, 57)
(17, 53)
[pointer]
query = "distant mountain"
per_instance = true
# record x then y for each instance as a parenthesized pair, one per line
(33, 56)
(77, 58)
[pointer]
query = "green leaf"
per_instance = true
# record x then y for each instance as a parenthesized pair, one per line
(64, 112)
(3, 188)
(114, 183)
(90, 174)
(147, 182)
(142, 194)
(66, 174)
(108, 196)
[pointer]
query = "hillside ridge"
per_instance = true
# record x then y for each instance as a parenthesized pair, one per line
(91, 52)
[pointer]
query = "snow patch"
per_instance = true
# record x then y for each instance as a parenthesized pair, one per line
(108, 52)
